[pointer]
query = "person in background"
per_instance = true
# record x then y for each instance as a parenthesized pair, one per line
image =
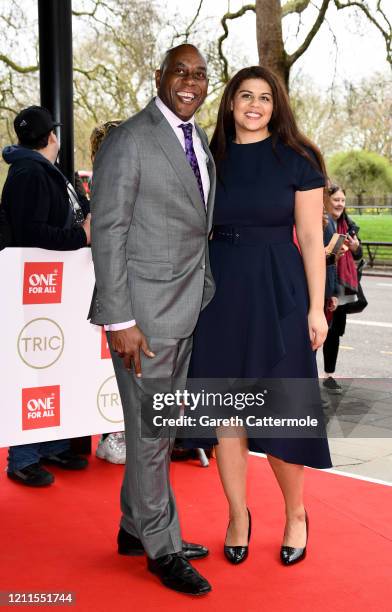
(43, 211)
(346, 287)
(111, 446)
(331, 285)
(82, 195)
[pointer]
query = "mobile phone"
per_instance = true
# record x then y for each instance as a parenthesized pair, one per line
(337, 242)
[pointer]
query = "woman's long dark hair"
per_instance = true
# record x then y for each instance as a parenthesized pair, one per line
(282, 123)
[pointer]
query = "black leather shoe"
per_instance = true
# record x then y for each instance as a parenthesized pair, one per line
(194, 551)
(128, 544)
(290, 554)
(238, 554)
(67, 460)
(132, 547)
(176, 573)
(33, 475)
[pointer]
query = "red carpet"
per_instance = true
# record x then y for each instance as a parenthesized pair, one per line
(63, 539)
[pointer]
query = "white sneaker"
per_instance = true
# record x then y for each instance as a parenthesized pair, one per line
(112, 448)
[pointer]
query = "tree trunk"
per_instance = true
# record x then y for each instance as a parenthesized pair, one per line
(270, 39)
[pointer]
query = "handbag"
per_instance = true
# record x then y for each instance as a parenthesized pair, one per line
(360, 304)
(360, 267)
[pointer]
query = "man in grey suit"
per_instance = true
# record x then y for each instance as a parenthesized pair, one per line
(152, 204)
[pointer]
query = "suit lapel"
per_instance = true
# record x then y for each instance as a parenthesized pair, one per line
(174, 152)
(211, 174)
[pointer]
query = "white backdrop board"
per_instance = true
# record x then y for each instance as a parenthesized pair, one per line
(57, 378)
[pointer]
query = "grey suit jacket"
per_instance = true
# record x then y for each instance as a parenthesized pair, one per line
(150, 229)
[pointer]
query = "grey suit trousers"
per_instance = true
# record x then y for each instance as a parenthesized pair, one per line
(147, 501)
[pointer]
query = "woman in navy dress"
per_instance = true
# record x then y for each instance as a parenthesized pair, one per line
(266, 318)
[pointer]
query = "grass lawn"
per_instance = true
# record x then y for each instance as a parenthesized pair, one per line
(374, 227)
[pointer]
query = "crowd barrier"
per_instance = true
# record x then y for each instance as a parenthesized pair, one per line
(57, 378)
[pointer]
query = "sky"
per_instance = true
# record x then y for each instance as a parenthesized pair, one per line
(361, 48)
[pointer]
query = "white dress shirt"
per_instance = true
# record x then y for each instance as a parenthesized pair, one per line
(202, 159)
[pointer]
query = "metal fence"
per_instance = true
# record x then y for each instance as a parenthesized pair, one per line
(370, 204)
(377, 253)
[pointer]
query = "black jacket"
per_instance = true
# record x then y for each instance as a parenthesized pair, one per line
(5, 230)
(331, 280)
(36, 203)
(352, 226)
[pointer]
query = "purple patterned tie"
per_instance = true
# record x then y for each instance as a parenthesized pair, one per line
(191, 155)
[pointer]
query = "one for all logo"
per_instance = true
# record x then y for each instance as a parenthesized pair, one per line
(41, 407)
(42, 282)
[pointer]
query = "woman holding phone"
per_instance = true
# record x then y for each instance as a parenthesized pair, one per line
(346, 281)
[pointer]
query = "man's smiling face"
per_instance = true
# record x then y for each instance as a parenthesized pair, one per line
(182, 83)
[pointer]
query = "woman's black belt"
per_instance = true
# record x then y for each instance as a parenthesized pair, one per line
(253, 234)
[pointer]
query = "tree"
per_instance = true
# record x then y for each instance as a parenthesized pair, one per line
(116, 50)
(353, 116)
(114, 66)
(361, 172)
(270, 43)
(368, 115)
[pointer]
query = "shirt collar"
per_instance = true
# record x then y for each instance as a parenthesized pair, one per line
(170, 116)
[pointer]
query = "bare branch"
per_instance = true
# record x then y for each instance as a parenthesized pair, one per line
(92, 73)
(16, 67)
(98, 4)
(8, 109)
(294, 6)
(83, 103)
(380, 10)
(9, 22)
(312, 33)
(229, 16)
(387, 34)
(85, 13)
(189, 27)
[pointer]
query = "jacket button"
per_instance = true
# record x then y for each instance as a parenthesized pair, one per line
(203, 266)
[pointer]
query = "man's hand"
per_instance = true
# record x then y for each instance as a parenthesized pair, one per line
(86, 226)
(127, 343)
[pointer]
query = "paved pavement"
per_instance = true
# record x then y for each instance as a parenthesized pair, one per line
(360, 419)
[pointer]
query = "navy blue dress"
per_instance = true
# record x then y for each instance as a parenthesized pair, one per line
(256, 325)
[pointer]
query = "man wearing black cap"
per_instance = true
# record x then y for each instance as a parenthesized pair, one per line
(43, 211)
(41, 205)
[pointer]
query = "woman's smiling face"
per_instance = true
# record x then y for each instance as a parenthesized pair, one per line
(252, 108)
(337, 203)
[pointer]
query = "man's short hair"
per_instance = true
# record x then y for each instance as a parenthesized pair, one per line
(170, 51)
(37, 144)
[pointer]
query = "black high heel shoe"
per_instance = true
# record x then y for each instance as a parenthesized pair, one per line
(290, 554)
(238, 554)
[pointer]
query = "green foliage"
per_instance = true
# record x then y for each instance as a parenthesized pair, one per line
(361, 172)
